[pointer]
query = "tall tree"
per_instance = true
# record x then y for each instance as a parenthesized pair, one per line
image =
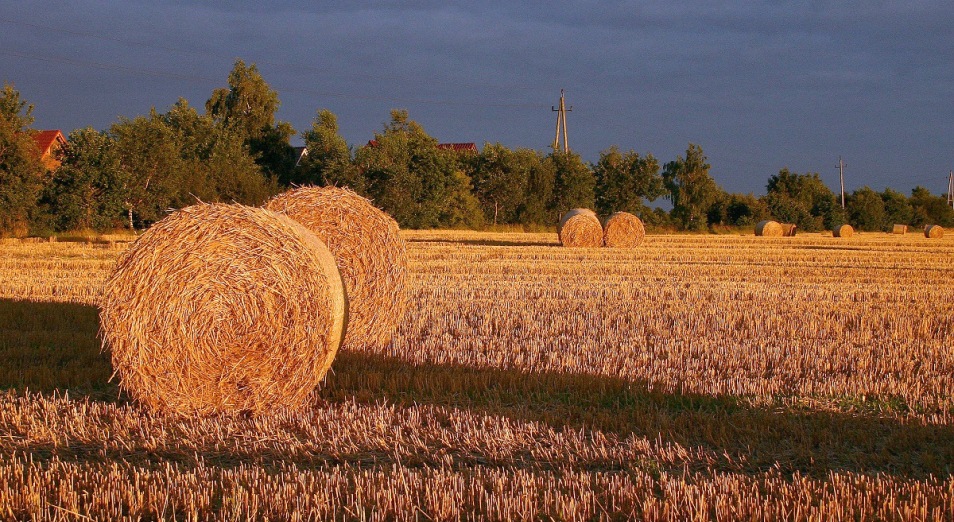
(419, 184)
(536, 208)
(691, 189)
(249, 105)
(930, 209)
(84, 191)
(897, 209)
(625, 180)
(329, 158)
(574, 184)
(21, 174)
(865, 209)
(802, 199)
(501, 176)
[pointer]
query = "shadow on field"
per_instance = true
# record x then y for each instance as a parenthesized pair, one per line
(736, 436)
(47, 347)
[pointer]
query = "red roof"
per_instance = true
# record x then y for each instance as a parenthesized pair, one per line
(459, 147)
(46, 138)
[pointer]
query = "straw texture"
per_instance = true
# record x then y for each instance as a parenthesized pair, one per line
(789, 229)
(580, 228)
(843, 231)
(623, 230)
(933, 232)
(769, 229)
(899, 229)
(223, 308)
(368, 250)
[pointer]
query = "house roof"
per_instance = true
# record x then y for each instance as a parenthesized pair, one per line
(46, 138)
(459, 147)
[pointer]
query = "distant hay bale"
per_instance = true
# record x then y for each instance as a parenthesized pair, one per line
(843, 231)
(368, 250)
(933, 232)
(580, 228)
(769, 229)
(900, 229)
(623, 230)
(788, 229)
(220, 308)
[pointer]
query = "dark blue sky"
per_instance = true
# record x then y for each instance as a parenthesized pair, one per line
(759, 85)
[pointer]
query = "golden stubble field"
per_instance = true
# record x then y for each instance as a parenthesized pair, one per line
(694, 378)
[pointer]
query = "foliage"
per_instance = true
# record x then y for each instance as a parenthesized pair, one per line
(802, 199)
(929, 209)
(420, 185)
(897, 209)
(625, 180)
(501, 181)
(84, 192)
(21, 175)
(248, 105)
(329, 158)
(691, 189)
(573, 186)
(865, 210)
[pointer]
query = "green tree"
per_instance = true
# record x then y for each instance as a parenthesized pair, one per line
(802, 199)
(84, 192)
(538, 198)
(501, 178)
(691, 189)
(897, 209)
(329, 158)
(930, 209)
(21, 174)
(865, 209)
(625, 180)
(420, 185)
(248, 105)
(574, 185)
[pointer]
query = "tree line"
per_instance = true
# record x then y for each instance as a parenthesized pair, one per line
(130, 174)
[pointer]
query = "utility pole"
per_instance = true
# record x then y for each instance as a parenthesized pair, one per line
(950, 189)
(561, 122)
(841, 175)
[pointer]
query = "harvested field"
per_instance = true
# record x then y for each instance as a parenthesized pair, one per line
(696, 377)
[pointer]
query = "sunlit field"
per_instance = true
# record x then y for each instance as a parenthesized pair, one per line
(696, 377)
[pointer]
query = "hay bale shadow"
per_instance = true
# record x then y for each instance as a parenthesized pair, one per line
(53, 347)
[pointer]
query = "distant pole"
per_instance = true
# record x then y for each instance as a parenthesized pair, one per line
(841, 176)
(561, 123)
(950, 189)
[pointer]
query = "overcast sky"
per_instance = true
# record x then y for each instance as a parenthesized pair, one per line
(759, 85)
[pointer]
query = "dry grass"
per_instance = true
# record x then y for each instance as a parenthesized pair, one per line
(368, 250)
(697, 377)
(223, 308)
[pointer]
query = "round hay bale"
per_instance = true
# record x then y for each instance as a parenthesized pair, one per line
(368, 250)
(221, 308)
(769, 229)
(843, 231)
(933, 232)
(580, 228)
(623, 230)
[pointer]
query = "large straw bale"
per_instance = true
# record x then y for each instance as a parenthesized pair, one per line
(580, 228)
(370, 255)
(843, 231)
(222, 308)
(900, 229)
(769, 229)
(623, 230)
(789, 229)
(933, 232)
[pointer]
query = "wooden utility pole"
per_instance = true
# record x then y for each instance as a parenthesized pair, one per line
(950, 189)
(841, 176)
(561, 123)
